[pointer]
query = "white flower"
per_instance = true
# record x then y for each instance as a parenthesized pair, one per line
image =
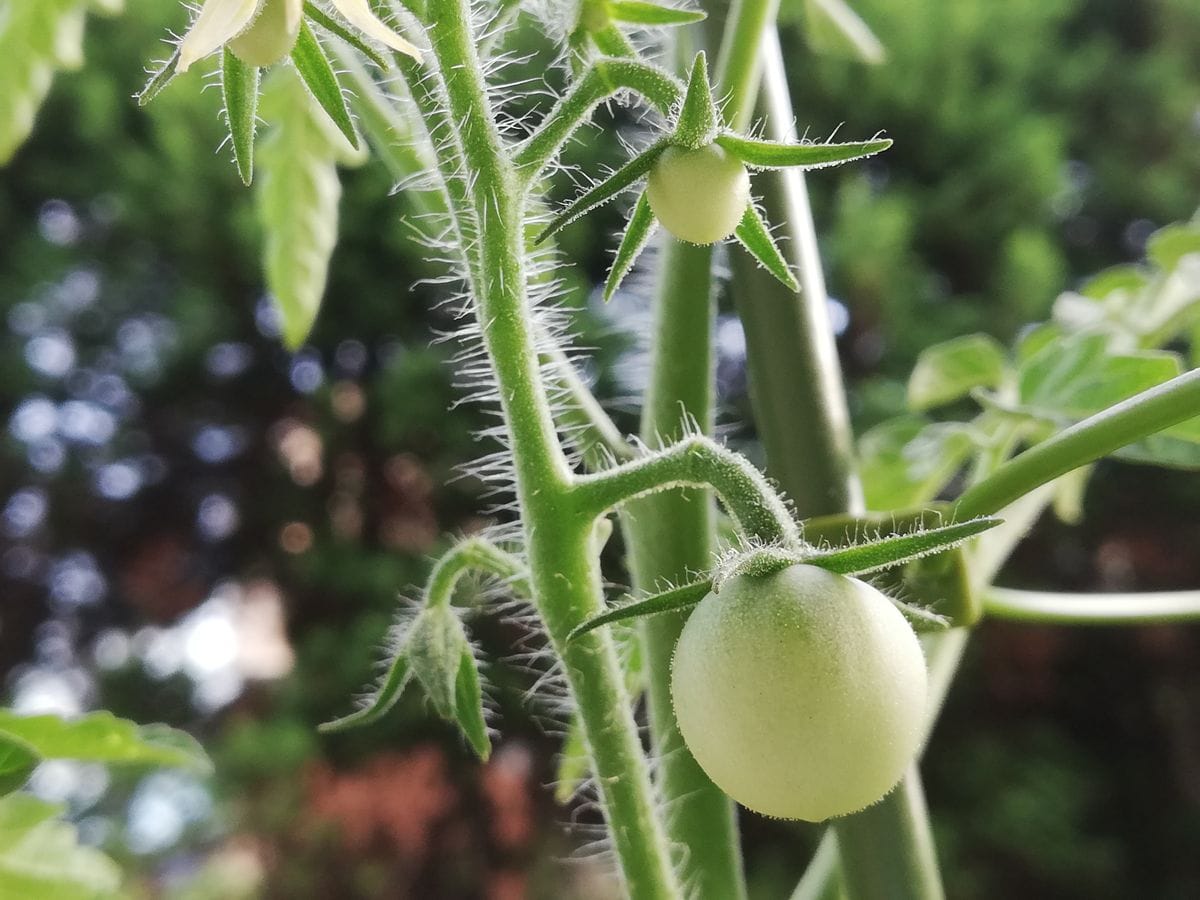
(220, 21)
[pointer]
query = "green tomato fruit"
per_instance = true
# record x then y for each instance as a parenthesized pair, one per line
(700, 195)
(272, 34)
(802, 694)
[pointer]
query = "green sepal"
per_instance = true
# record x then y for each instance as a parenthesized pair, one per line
(698, 117)
(384, 698)
(774, 155)
(753, 234)
(898, 549)
(239, 84)
(17, 762)
(102, 737)
(158, 80)
(319, 17)
(316, 70)
(469, 706)
(611, 41)
(614, 184)
(668, 601)
(921, 620)
(435, 646)
(638, 12)
(637, 234)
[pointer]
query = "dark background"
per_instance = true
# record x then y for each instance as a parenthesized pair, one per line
(200, 528)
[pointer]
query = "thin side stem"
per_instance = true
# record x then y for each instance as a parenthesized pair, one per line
(473, 554)
(1126, 423)
(1054, 608)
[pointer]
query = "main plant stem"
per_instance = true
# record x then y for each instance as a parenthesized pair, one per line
(801, 411)
(564, 573)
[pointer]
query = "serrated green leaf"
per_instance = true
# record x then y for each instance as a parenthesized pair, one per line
(906, 461)
(435, 646)
(614, 184)
(638, 12)
(775, 155)
(41, 858)
(637, 233)
(752, 233)
(898, 549)
(17, 762)
(668, 601)
(469, 706)
(950, 371)
(698, 118)
(102, 737)
(314, 67)
(832, 28)
(381, 701)
(239, 85)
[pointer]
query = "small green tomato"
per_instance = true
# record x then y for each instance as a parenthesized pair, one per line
(802, 694)
(272, 34)
(698, 195)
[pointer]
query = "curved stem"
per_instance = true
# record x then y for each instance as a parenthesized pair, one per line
(473, 554)
(1131, 420)
(699, 462)
(1052, 608)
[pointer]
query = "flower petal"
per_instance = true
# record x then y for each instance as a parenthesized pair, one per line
(219, 21)
(359, 15)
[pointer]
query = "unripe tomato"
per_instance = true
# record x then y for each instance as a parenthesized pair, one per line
(272, 35)
(802, 694)
(698, 195)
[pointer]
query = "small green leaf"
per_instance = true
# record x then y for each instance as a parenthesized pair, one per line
(239, 84)
(469, 706)
(17, 762)
(638, 12)
(753, 234)
(833, 28)
(668, 601)
(41, 858)
(949, 371)
(618, 181)
(314, 67)
(895, 550)
(698, 118)
(637, 233)
(383, 699)
(102, 737)
(435, 646)
(906, 461)
(159, 79)
(319, 17)
(774, 155)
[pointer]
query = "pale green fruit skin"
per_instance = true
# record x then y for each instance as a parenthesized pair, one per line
(802, 695)
(700, 195)
(271, 36)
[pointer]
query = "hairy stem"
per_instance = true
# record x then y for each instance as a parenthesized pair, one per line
(564, 572)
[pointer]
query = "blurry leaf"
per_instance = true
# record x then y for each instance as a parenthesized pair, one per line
(834, 29)
(638, 12)
(1075, 312)
(573, 763)
(946, 372)
(41, 859)
(469, 706)
(1130, 278)
(906, 461)
(314, 67)
(102, 737)
(1169, 245)
(1178, 447)
(1033, 340)
(17, 762)
(239, 84)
